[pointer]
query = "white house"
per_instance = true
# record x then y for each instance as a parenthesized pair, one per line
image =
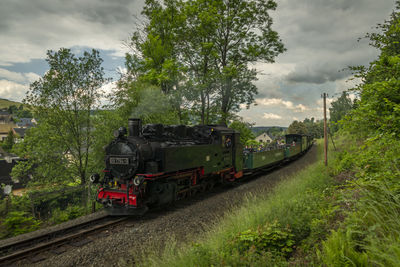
(264, 137)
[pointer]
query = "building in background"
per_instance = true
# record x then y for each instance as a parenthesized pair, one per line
(26, 122)
(264, 138)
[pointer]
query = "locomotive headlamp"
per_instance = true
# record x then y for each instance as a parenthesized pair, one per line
(138, 180)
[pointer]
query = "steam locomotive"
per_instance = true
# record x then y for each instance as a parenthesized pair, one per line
(158, 164)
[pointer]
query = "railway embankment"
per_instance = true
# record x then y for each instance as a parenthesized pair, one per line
(341, 215)
(266, 228)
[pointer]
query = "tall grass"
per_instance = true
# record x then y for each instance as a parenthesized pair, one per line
(297, 204)
(371, 234)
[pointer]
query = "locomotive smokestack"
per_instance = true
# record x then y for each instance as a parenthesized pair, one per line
(135, 127)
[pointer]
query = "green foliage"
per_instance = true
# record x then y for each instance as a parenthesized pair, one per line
(145, 101)
(378, 110)
(154, 107)
(19, 112)
(20, 203)
(338, 110)
(71, 212)
(314, 128)
(198, 52)
(19, 222)
(244, 129)
(369, 235)
(339, 250)
(9, 142)
(47, 161)
(62, 100)
(297, 127)
(252, 143)
(41, 207)
(271, 237)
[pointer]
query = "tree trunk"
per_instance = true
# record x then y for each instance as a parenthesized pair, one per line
(203, 106)
(226, 96)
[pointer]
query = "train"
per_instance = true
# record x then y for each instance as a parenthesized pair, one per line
(155, 164)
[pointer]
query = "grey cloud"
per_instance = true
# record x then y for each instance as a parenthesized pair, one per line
(321, 36)
(317, 75)
(104, 12)
(29, 28)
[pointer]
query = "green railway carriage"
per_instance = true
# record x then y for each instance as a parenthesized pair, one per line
(296, 144)
(263, 159)
(293, 139)
(292, 151)
(303, 143)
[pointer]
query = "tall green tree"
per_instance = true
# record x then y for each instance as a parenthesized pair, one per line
(154, 57)
(63, 100)
(297, 127)
(9, 141)
(378, 110)
(205, 46)
(198, 55)
(338, 110)
(244, 35)
(244, 129)
(314, 128)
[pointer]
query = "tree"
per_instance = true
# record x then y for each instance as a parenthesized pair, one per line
(244, 35)
(205, 46)
(19, 112)
(378, 110)
(197, 51)
(154, 58)
(45, 155)
(297, 127)
(314, 128)
(62, 100)
(9, 141)
(244, 129)
(339, 108)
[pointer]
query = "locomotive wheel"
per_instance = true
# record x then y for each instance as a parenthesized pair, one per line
(193, 192)
(203, 187)
(210, 185)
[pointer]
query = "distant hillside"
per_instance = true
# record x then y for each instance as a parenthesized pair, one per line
(5, 103)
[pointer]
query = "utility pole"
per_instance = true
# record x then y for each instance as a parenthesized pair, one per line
(325, 132)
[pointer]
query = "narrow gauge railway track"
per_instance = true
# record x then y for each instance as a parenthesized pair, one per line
(32, 246)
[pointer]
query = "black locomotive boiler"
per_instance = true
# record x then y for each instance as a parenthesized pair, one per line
(158, 164)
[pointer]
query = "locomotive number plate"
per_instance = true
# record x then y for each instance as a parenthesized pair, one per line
(121, 161)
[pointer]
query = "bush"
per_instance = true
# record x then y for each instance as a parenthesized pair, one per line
(71, 212)
(19, 222)
(268, 238)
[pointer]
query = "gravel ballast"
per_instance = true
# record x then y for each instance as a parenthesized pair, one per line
(119, 246)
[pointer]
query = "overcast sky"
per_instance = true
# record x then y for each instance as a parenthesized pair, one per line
(320, 37)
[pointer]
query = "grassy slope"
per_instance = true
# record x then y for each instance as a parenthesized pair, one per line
(296, 207)
(4, 103)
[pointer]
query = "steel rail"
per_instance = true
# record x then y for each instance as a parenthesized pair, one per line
(23, 248)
